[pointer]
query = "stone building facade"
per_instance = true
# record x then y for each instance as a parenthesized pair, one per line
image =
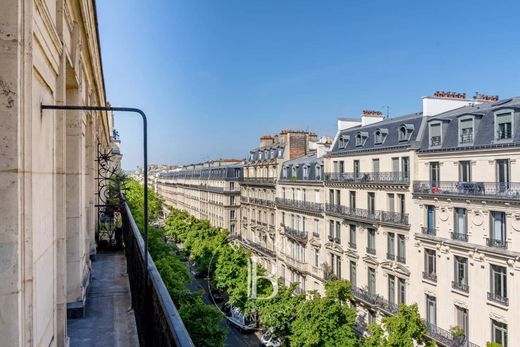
(209, 190)
(49, 54)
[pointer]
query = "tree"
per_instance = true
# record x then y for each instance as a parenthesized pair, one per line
(326, 321)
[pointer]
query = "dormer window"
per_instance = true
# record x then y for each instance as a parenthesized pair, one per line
(361, 137)
(251, 156)
(305, 172)
(343, 141)
(293, 174)
(504, 125)
(318, 172)
(380, 136)
(466, 131)
(285, 170)
(405, 131)
(435, 134)
(272, 154)
(280, 152)
(259, 155)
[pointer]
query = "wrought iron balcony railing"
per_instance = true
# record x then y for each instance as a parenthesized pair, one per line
(459, 236)
(260, 180)
(446, 338)
(428, 230)
(376, 215)
(258, 201)
(369, 177)
(429, 276)
(401, 259)
(374, 300)
(435, 141)
(459, 285)
(505, 190)
(390, 256)
(157, 319)
(298, 235)
(466, 138)
(371, 250)
(352, 245)
(496, 297)
(496, 243)
(300, 204)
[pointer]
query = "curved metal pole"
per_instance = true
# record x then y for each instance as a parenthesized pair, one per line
(145, 160)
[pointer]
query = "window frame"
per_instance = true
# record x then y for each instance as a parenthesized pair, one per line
(463, 119)
(430, 137)
(499, 113)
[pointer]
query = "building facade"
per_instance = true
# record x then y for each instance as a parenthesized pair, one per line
(209, 190)
(49, 54)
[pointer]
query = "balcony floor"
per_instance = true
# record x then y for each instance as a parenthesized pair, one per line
(108, 320)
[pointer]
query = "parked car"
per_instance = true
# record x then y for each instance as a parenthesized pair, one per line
(269, 340)
(244, 323)
(217, 295)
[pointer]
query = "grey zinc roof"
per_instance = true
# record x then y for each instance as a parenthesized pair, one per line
(310, 160)
(389, 126)
(484, 135)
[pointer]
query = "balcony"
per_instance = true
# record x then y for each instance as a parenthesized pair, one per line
(459, 285)
(374, 300)
(368, 177)
(495, 297)
(459, 237)
(295, 263)
(429, 276)
(371, 216)
(371, 250)
(334, 239)
(428, 230)
(496, 243)
(298, 235)
(258, 201)
(446, 338)
(500, 190)
(401, 259)
(157, 319)
(352, 245)
(300, 205)
(390, 256)
(267, 181)
(257, 247)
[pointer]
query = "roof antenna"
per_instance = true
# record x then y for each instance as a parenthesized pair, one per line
(387, 111)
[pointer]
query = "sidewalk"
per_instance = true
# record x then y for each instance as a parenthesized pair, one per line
(108, 321)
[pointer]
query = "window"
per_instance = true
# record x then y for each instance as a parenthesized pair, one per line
(352, 236)
(232, 214)
(434, 174)
(401, 249)
(359, 140)
(375, 166)
(378, 137)
(304, 195)
(317, 196)
(331, 230)
(498, 229)
(371, 317)
(390, 246)
(461, 273)
(371, 281)
(343, 141)
(403, 133)
(338, 267)
(435, 134)
(395, 165)
(356, 168)
(431, 310)
(405, 164)
(401, 291)
(499, 332)
(353, 273)
(338, 197)
(466, 131)
(462, 319)
(316, 228)
(498, 290)
(318, 172)
(283, 218)
(391, 289)
(341, 164)
(285, 172)
(305, 172)
(371, 241)
(316, 257)
(401, 206)
(338, 232)
(352, 199)
(280, 151)
(430, 265)
(460, 226)
(430, 220)
(504, 126)
(465, 171)
(371, 202)
(502, 175)
(293, 171)
(391, 202)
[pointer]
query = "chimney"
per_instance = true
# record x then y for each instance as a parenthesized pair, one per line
(313, 137)
(370, 117)
(442, 101)
(266, 141)
(297, 143)
(345, 123)
(323, 146)
(485, 98)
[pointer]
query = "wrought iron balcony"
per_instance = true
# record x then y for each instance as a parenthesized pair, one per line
(334, 239)
(352, 245)
(496, 243)
(300, 204)
(371, 250)
(459, 285)
(504, 300)
(401, 259)
(374, 300)
(435, 141)
(466, 138)
(373, 216)
(390, 256)
(158, 321)
(429, 276)
(446, 338)
(298, 235)
(503, 190)
(369, 177)
(260, 180)
(262, 202)
(428, 230)
(459, 236)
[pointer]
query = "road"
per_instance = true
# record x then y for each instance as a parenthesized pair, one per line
(234, 337)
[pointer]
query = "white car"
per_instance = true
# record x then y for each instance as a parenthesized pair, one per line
(244, 324)
(269, 340)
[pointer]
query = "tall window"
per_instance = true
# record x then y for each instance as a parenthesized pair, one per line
(371, 281)
(356, 168)
(338, 232)
(405, 164)
(390, 245)
(316, 257)
(498, 284)
(341, 166)
(331, 229)
(466, 131)
(305, 172)
(371, 241)
(401, 291)
(460, 226)
(499, 332)
(318, 172)
(403, 133)
(465, 171)
(352, 199)
(391, 202)
(401, 249)
(375, 166)
(338, 267)
(430, 219)
(395, 165)
(461, 273)
(371, 202)
(504, 126)
(498, 229)
(431, 310)
(462, 319)
(352, 236)
(378, 137)
(391, 289)
(338, 197)
(434, 173)
(353, 273)
(317, 227)
(435, 134)
(502, 175)
(430, 264)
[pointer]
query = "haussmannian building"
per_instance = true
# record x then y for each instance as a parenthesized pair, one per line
(209, 190)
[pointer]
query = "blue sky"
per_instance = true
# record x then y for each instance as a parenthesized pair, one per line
(215, 75)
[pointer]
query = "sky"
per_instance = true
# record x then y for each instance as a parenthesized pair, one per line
(215, 75)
